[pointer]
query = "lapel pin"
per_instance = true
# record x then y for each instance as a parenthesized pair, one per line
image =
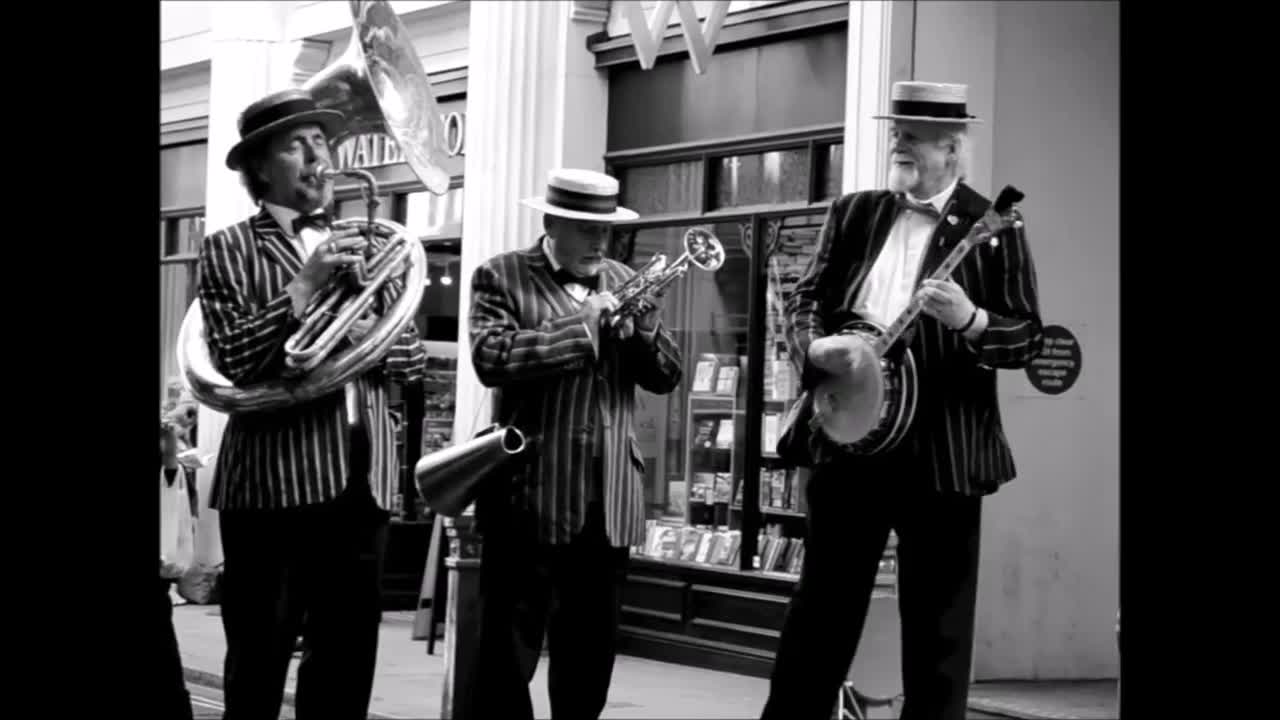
(995, 242)
(953, 219)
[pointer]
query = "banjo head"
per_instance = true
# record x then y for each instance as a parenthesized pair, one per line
(848, 406)
(867, 411)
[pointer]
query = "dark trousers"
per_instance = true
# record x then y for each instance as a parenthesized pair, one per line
(174, 699)
(572, 593)
(851, 510)
(323, 562)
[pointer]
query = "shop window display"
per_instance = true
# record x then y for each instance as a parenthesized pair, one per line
(710, 476)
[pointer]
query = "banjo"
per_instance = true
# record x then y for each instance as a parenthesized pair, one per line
(869, 410)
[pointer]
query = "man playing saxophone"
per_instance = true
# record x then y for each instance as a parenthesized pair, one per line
(556, 539)
(301, 503)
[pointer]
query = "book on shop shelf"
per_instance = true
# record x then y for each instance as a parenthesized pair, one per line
(769, 432)
(676, 500)
(702, 489)
(704, 373)
(723, 484)
(727, 381)
(706, 543)
(724, 436)
(690, 537)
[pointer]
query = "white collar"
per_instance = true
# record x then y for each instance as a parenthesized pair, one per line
(938, 201)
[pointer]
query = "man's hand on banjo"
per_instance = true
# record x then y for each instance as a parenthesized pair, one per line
(841, 354)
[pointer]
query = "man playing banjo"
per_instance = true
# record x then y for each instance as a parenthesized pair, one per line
(874, 247)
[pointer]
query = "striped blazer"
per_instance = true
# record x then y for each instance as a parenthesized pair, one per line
(528, 342)
(956, 438)
(297, 455)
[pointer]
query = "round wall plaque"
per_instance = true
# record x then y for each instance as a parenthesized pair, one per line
(1057, 366)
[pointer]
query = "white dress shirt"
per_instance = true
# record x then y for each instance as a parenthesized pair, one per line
(306, 241)
(891, 283)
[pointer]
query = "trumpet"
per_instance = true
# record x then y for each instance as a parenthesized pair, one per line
(637, 295)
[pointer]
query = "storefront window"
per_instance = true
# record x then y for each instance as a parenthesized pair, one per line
(659, 189)
(693, 439)
(830, 170)
(761, 178)
(716, 493)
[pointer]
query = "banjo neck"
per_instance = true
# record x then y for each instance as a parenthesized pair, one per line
(885, 341)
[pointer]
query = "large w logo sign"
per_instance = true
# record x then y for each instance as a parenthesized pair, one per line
(647, 32)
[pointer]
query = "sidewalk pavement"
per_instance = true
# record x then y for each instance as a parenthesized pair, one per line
(409, 681)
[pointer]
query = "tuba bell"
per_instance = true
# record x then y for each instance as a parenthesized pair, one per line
(380, 86)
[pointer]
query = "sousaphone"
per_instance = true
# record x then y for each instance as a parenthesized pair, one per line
(380, 86)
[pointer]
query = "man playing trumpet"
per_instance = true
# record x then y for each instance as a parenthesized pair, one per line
(556, 539)
(303, 531)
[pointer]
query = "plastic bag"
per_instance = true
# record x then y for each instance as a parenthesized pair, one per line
(177, 527)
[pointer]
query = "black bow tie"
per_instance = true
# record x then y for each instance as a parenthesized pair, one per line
(320, 221)
(564, 277)
(922, 208)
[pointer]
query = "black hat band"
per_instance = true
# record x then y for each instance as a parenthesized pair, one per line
(917, 108)
(582, 202)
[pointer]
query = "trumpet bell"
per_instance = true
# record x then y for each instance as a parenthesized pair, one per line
(380, 86)
(208, 385)
(704, 249)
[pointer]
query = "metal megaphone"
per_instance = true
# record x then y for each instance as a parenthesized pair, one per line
(450, 479)
(380, 86)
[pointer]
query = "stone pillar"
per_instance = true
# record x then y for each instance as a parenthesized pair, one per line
(534, 102)
(881, 37)
(248, 61)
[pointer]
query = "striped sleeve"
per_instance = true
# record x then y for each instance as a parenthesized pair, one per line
(1013, 335)
(243, 337)
(503, 353)
(805, 305)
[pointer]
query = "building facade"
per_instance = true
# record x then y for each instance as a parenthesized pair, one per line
(753, 149)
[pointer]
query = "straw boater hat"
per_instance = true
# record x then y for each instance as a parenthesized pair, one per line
(278, 111)
(581, 195)
(928, 102)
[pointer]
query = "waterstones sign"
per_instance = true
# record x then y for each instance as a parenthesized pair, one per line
(361, 152)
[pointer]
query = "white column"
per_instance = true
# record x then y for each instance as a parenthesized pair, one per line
(248, 61)
(534, 102)
(881, 38)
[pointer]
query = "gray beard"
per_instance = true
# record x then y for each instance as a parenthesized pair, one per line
(901, 179)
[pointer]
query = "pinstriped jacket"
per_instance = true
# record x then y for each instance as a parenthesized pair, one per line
(297, 455)
(957, 438)
(527, 341)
